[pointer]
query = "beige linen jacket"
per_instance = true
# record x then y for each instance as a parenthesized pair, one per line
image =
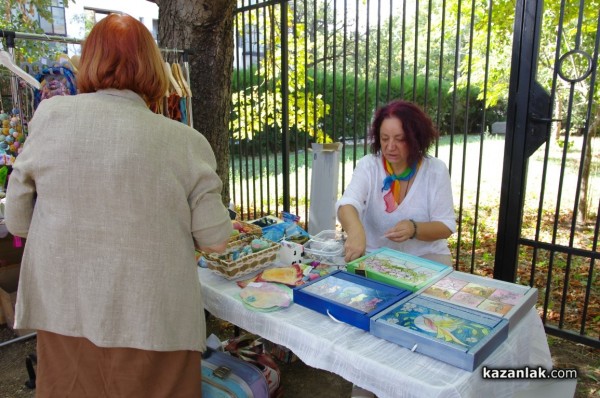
(110, 197)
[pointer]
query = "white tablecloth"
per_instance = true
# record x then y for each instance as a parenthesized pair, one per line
(386, 369)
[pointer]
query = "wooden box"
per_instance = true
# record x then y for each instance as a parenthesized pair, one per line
(348, 298)
(399, 269)
(488, 295)
(456, 335)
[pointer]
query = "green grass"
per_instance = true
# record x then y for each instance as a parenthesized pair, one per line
(257, 182)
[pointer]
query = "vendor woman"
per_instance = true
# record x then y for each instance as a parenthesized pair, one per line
(399, 196)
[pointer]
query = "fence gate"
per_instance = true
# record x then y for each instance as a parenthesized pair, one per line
(548, 224)
(517, 123)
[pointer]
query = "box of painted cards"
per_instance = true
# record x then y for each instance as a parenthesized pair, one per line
(492, 296)
(456, 335)
(349, 298)
(398, 269)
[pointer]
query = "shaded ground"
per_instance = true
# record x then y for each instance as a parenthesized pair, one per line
(298, 379)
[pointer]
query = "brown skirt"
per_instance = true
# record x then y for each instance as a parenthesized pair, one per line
(75, 367)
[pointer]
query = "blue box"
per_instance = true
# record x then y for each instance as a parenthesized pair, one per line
(459, 336)
(348, 298)
(399, 269)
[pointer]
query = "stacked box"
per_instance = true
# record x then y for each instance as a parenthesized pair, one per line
(348, 298)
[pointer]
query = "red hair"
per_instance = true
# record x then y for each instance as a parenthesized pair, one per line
(419, 131)
(120, 53)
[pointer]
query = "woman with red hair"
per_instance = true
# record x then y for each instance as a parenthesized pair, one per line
(113, 200)
(399, 196)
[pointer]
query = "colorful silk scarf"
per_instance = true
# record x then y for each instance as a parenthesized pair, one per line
(392, 182)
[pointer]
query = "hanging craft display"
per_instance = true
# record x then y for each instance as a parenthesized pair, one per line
(55, 80)
(14, 132)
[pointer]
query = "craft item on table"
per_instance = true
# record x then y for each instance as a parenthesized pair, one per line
(458, 336)
(399, 269)
(289, 217)
(496, 297)
(243, 229)
(266, 296)
(265, 221)
(348, 298)
(259, 244)
(316, 270)
(239, 259)
(291, 276)
(256, 245)
(285, 230)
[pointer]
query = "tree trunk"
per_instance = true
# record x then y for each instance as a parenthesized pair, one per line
(205, 28)
(558, 116)
(582, 210)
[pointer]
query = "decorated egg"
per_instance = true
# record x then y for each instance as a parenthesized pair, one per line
(16, 144)
(3, 116)
(10, 139)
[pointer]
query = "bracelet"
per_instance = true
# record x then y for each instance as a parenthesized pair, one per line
(414, 235)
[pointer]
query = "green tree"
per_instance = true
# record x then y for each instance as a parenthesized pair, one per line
(259, 107)
(22, 16)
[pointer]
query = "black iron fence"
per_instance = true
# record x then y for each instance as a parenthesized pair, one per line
(309, 71)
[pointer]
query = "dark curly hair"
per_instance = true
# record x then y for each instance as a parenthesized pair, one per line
(419, 131)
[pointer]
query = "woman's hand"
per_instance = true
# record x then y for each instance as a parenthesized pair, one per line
(355, 246)
(404, 230)
(356, 241)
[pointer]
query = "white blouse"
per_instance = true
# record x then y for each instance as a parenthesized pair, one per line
(429, 199)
